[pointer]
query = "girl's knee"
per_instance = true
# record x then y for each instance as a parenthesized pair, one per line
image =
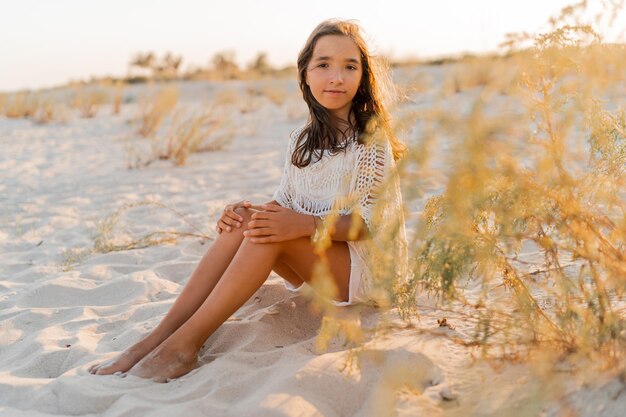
(246, 213)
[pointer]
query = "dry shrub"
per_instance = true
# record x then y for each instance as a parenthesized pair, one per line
(525, 235)
(187, 134)
(110, 236)
(549, 181)
(88, 99)
(191, 134)
(153, 110)
(118, 96)
(50, 110)
(36, 106)
(21, 105)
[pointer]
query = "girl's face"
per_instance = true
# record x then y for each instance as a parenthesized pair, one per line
(334, 73)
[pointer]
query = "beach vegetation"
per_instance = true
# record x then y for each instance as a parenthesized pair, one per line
(524, 238)
(111, 236)
(22, 104)
(193, 133)
(88, 100)
(154, 109)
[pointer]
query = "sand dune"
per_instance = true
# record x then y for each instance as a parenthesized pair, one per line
(63, 308)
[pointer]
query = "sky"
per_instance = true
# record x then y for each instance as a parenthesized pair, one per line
(48, 42)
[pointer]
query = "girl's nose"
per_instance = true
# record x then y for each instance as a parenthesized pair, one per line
(336, 77)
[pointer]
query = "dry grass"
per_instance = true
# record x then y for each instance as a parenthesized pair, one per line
(21, 105)
(118, 97)
(109, 237)
(192, 134)
(153, 110)
(47, 106)
(50, 110)
(187, 134)
(555, 187)
(3, 101)
(88, 100)
(527, 240)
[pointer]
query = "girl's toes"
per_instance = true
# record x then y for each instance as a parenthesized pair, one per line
(101, 371)
(93, 368)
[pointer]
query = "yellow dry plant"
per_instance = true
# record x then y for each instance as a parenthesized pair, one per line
(195, 133)
(88, 99)
(153, 110)
(21, 105)
(118, 96)
(519, 211)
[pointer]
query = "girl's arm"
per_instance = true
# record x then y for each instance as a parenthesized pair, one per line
(278, 224)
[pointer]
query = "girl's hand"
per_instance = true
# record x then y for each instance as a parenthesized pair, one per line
(231, 219)
(278, 224)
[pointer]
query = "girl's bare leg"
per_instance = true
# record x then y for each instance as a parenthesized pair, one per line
(250, 267)
(200, 284)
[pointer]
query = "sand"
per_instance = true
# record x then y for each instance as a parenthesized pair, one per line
(64, 307)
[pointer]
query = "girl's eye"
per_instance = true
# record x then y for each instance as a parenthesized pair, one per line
(352, 67)
(323, 65)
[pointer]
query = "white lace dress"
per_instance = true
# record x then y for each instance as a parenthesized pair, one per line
(363, 178)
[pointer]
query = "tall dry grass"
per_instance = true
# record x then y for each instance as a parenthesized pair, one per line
(114, 233)
(524, 236)
(38, 106)
(193, 133)
(88, 100)
(21, 105)
(153, 110)
(3, 101)
(50, 110)
(188, 133)
(118, 96)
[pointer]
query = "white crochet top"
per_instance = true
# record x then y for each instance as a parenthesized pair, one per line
(362, 179)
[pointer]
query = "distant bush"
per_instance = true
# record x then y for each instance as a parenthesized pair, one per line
(191, 134)
(88, 100)
(21, 105)
(153, 110)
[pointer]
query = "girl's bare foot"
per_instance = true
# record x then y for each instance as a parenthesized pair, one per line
(125, 361)
(167, 361)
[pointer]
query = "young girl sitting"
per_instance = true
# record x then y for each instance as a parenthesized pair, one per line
(338, 183)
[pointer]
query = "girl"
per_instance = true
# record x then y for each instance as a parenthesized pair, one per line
(339, 166)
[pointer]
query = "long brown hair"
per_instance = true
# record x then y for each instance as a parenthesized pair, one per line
(368, 114)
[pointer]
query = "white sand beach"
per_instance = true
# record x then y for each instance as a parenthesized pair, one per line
(64, 307)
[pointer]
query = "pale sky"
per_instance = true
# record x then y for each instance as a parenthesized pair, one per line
(47, 42)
